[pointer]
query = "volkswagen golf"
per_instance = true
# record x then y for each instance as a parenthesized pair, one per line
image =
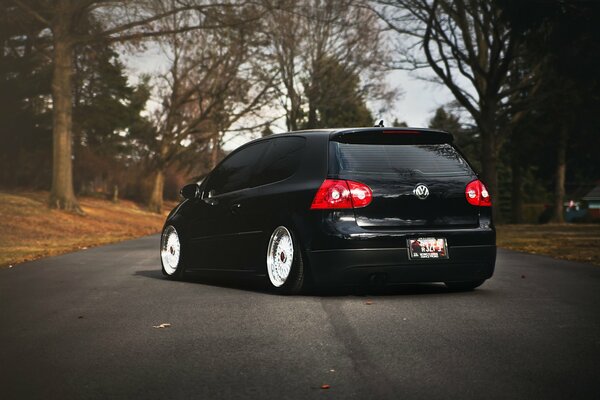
(341, 207)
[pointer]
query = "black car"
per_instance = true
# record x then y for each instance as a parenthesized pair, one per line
(343, 207)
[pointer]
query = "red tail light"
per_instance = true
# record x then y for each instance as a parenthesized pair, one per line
(337, 194)
(361, 194)
(477, 194)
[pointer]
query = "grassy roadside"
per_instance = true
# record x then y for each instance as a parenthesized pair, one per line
(29, 230)
(575, 242)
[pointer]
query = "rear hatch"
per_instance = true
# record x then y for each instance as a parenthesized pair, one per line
(418, 178)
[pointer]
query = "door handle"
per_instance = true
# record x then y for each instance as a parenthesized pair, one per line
(235, 208)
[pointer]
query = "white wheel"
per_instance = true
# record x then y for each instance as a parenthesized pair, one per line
(280, 256)
(170, 250)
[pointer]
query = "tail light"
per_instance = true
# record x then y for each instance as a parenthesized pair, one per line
(339, 194)
(477, 194)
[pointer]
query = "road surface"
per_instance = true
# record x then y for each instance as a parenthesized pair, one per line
(82, 326)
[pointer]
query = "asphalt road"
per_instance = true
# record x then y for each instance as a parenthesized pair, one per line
(81, 326)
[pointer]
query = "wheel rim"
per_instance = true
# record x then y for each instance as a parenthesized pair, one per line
(170, 250)
(280, 256)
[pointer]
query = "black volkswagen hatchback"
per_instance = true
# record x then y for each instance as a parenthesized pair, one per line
(340, 207)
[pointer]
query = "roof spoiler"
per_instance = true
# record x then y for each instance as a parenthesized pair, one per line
(392, 136)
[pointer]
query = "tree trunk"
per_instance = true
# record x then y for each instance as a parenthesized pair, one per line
(294, 112)
(293, 116)
(311, 94)
(115, 194)
(489, 158)
(156, 197)
(312, 116)
(517, 190)
(214, 152)
(559, 183)
(62, 195)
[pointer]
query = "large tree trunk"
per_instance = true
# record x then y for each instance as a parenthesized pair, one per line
(489, 158)
(62, 195)
(517, 190)
(155, 204)
(559, 182)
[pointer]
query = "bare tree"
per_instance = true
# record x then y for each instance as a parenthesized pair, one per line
(470, 48)
(284, 31)
(212, 83)
(302, 34)
(115, 21)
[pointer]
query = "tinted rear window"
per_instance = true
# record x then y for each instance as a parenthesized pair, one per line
(425, 159)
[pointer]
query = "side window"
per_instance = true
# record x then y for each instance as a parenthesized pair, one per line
(234, 173)
(281, 160)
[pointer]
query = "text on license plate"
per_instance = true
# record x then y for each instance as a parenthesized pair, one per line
(427, 248)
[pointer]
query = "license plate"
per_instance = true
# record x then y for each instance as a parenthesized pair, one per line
(427, 249)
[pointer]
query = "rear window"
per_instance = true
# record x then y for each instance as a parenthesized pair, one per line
(425, 159)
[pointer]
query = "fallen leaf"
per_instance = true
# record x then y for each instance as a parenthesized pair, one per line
(163, 325)
(325, 386)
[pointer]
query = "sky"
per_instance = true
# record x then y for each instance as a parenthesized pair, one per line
(420, 98)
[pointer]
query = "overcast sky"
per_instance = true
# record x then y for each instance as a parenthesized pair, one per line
(420, 99)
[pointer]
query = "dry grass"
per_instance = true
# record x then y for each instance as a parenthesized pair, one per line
(29, 230)
(576, 242)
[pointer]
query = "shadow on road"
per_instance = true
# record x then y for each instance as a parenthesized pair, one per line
(231, 283)
(150, 273)
(257, 286)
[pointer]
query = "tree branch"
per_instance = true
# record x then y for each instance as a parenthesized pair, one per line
(31, 12)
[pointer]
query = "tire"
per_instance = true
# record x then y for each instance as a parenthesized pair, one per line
(285, 267)
(171, 253)
(464, 286)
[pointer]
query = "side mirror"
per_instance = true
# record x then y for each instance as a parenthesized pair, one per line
(190, 191)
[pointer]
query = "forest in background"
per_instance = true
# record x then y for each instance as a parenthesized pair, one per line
(523, 74)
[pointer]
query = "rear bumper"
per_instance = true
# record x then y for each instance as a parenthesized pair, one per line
(353, 266)
(340, 252)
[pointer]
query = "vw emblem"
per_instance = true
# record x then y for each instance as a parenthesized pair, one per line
(421, 191)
